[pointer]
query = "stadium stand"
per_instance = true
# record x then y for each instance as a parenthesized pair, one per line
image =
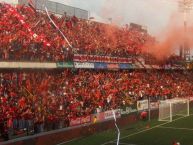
(86, 37)
(48, 100)
(38, 101)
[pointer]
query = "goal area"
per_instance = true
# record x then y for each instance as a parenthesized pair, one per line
(173, 107)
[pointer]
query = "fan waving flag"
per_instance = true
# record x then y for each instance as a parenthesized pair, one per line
(27, 26)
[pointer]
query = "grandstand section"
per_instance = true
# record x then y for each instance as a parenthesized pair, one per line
(54, 48)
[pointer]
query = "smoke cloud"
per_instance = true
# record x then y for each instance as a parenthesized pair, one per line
(162, 18)
(171, 38)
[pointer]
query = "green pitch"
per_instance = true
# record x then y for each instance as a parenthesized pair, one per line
(158, 133)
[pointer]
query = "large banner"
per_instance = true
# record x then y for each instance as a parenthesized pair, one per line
(83, 65)
(142, 105)
(97, 58)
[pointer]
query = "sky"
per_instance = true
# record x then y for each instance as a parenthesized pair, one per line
(153, 14)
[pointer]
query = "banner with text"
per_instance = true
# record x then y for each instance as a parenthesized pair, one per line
(142, 105)
(97, 58)
(65, 64)
(109, 114)
(83, 65)
(113, 66)
(75, 122)
(100, 65)
(80, 120)
(99, 117)
(126, 66)
(154, 105)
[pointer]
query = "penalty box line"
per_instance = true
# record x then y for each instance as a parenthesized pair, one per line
(133, 134)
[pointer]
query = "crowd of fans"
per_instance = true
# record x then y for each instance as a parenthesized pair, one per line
(86, 37)
(46, 100)
(51, 99)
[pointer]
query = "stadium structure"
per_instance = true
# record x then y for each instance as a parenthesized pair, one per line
(68, 80)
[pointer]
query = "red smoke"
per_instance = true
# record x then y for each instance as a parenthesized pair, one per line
(173, 37)
(172, 40)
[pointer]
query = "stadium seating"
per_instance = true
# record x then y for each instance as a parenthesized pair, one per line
(86, 37)
(37, 101)
(47, 98)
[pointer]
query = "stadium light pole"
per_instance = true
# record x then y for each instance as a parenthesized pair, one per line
(185, 7)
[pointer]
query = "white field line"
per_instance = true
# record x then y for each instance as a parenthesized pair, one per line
(67, 141)
(145, 130)
(176, 128)
(125, 143)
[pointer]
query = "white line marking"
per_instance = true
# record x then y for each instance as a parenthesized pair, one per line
(146, 129)
(176, 128)
(118, 130)
(67, 141)
(126, 143)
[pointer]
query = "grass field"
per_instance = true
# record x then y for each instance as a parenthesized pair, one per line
(159, 133)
